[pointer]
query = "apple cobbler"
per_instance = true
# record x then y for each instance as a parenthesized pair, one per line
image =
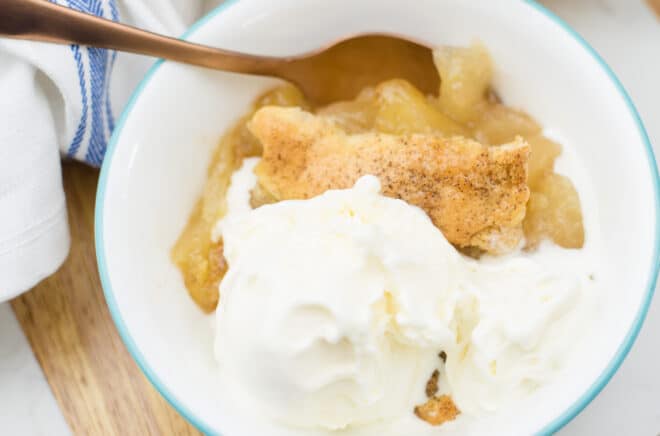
(481, 170)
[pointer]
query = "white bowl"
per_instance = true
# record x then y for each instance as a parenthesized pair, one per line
(156, 165)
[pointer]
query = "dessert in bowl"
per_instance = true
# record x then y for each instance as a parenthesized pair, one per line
(414, 264)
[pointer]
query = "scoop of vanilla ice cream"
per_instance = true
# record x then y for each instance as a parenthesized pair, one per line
(516, 322)
(334, 309)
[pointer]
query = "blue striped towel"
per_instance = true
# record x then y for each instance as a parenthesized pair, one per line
(61, 101)
(93, 69)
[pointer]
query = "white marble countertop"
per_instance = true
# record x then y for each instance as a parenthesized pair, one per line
(27, 406)
(627, 35)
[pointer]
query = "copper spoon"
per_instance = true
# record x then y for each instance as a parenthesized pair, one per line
(336, 72)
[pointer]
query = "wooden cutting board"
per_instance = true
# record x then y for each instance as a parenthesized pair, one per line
(98, 386)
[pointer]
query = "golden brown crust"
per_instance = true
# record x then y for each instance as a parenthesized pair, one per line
(475, 194)
(437, 410)
(432, 384)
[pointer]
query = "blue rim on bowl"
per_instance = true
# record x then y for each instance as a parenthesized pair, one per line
(551, 427)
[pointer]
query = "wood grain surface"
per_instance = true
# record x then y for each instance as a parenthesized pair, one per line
(98, 386)
(655, 5)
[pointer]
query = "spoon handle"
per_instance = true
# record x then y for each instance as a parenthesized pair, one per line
(41, 20)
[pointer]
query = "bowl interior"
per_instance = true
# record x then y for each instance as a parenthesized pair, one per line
(156, 166)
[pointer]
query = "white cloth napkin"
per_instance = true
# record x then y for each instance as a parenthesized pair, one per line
(59, 100)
